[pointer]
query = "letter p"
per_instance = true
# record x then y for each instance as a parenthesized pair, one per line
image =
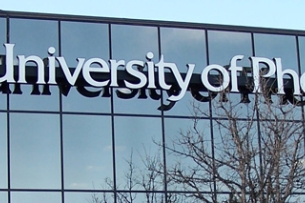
(256, 70)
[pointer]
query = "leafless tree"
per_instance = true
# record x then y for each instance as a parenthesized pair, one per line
(147, 179)
(249, 152)
(257, 157)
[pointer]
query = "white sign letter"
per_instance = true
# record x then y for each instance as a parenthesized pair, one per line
(234, 68)
(40, 68)
(280, 73)
(71, 78)
(135, 73)
(9, 74)
(225, 78)
(256, 70)
(103, 69)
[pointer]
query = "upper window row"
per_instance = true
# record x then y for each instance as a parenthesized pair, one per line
(178, 45)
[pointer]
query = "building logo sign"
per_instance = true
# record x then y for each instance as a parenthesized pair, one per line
(153, 78)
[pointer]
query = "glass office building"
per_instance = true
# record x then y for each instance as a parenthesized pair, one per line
(73, 144)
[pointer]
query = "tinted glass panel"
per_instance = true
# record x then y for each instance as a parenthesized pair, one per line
(302, 53)
(37, 36)
(137, 149)
(186, 140)
(289, 137)
(72, 197)
(85, 40)
(3, 151)
(33, 31)
(87, 99)
(277, 46)
(141, 197)
(237, 105)
(2, 33)
(223, 46)
(3, 197)
(2, 52)
(234, 138)
(31, 197)
(278, 106)
(133, 43)
(34, 97)
(35, 149)
(184, 46)
(185, 106)
(87, 151)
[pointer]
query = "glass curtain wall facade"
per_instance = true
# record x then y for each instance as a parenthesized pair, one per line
(76, 144)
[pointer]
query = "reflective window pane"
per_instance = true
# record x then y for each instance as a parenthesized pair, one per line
(2, 52)
(136, 101)
(184, 46)
(85, 40)
(3, 197)
(43, 31)
(137, 146)
(3, 100)
(87, 99)
(34, 97)
(187, 141)
(278, 106)
(286, 138)
(277, 46)
(3, 151)
(187, 197)
(33, 197)
(237, 105)
(142, 197)
(2, 34)
(94, 197)
(87, 151)
(133, 43)
(46, 33)
(185, 106)
(35, 151)
(233, 138)
(223, 46)
(302, 53)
